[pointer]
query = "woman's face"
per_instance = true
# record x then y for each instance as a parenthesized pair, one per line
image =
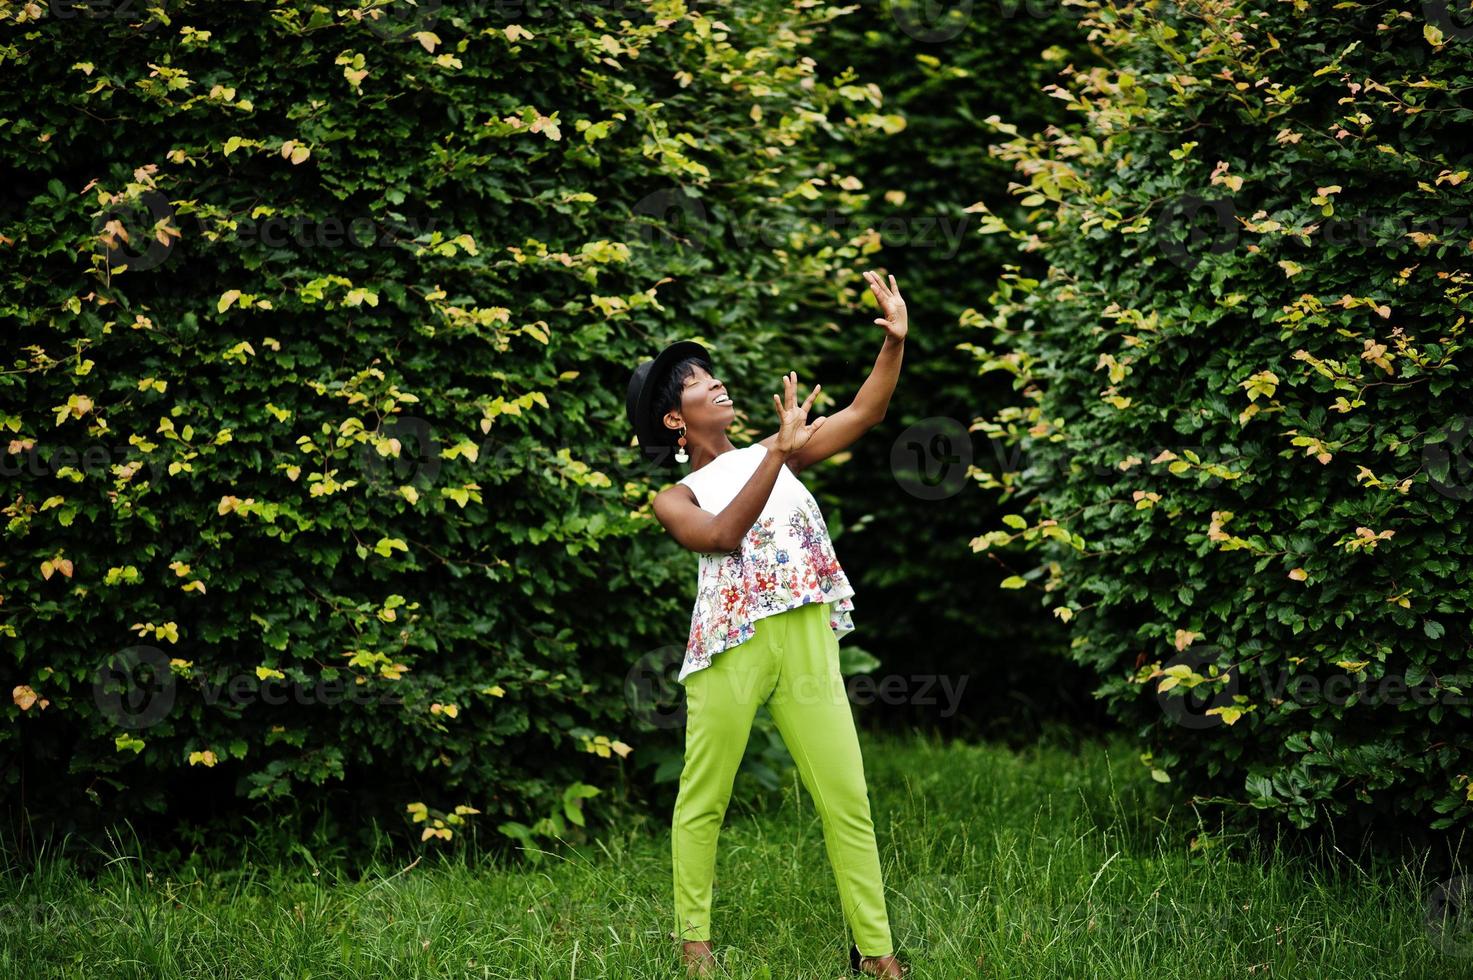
(704, 403)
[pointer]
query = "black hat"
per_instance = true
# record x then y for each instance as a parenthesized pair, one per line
(654, 439)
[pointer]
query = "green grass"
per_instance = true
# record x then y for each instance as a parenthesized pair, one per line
(1044, 863)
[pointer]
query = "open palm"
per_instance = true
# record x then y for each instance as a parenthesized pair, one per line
(795, 429)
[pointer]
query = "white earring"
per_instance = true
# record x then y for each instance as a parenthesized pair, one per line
(680, 455)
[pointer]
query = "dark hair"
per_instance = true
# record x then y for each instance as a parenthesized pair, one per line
(667, 395)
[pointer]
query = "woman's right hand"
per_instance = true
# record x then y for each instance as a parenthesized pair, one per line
(793, 419)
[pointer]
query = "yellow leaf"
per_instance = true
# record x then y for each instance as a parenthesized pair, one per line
(1298, 574)
(23, 696)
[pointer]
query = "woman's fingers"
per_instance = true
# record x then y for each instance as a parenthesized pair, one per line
(808, 402)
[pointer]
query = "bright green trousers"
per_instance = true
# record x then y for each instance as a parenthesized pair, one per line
(791, 665)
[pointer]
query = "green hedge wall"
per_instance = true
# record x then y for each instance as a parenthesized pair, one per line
(1243, 433)
(936, 72)
(318, 488)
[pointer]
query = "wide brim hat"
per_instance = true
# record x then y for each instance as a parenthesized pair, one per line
(656, 441)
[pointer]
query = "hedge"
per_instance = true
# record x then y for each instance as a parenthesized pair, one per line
(936, 71)
(1241, 447)
(319, 493)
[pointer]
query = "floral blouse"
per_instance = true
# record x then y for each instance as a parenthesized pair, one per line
(785, 561)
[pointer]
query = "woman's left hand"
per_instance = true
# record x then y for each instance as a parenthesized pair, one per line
(894, 321)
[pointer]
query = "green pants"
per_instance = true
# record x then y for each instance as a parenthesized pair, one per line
(792, 665)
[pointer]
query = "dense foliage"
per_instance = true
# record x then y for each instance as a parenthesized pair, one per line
(936, 71)
(318, 488)
(1244, 438)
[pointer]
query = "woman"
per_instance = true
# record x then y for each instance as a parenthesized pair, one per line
(771, 604)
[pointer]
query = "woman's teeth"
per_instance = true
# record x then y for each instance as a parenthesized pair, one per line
(721, 400)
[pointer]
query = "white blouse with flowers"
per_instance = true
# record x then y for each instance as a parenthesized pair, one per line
(786, 560)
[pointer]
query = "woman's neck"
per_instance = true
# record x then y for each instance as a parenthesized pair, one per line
(701, 455)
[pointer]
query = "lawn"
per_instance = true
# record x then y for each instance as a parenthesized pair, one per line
(1048, 862)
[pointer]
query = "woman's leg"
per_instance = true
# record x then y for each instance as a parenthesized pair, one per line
(721, 701)
(811, 709)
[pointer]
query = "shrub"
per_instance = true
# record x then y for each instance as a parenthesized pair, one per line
(933, 72)
(323, 320)
(1243, 443)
